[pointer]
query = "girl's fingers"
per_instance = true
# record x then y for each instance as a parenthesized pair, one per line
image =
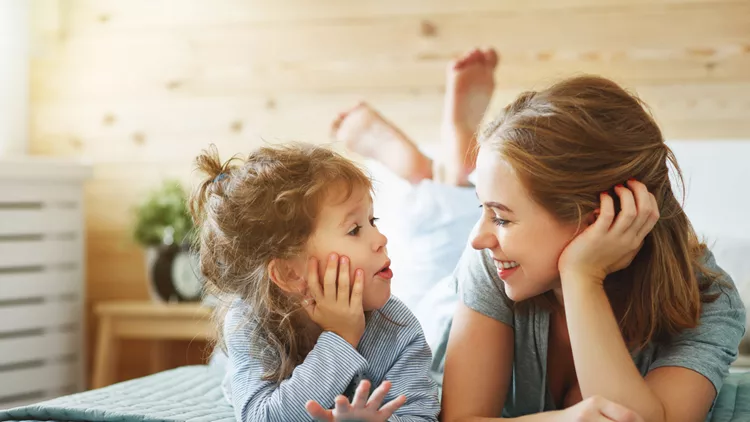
(329, 278)
(342, 405)
(308, 304)
(317, 412)
(618, 413)
(343, 294)
(376, 399)
(313, 284)
(626, 218)
(392, 406)
(361, 394)
(359, 282)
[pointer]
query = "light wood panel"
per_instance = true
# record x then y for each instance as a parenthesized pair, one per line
(702, 42)
(140, 14)
(148, 131)
(139, 87)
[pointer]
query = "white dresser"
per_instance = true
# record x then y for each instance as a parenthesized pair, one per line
(42, 282)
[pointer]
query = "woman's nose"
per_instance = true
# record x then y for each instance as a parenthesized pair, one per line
(483, 237)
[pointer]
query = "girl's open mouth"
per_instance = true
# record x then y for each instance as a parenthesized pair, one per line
(385, 272)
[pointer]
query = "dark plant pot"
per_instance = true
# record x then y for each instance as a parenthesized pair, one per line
(173, 274)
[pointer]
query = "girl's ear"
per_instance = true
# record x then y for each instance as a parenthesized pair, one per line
(284, 275)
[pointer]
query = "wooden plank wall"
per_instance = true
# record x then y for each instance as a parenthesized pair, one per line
(140, 86)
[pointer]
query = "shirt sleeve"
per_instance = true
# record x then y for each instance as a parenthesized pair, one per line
(325, 373)
(712, 346)
(410, 376)
(480, 288)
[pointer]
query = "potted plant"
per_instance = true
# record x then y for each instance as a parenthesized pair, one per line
(164, 228)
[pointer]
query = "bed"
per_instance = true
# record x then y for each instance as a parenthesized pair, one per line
(193, 394)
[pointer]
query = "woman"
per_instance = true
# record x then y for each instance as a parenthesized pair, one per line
(582, 291)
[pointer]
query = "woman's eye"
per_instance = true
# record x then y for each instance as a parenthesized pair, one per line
(373, 220)
(355, 231)
(499, 221)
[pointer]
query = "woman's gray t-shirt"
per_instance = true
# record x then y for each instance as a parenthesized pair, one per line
(708, 349)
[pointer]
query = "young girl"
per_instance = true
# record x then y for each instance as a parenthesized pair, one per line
(281, 234)
(587, 295)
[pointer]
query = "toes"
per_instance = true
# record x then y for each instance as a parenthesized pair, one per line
(339, 120)
(336, 124)
(343, 115)
(469, 56)
(491, 57)
(478, 56)
(457, 64)
(474, 56)
(361, 105)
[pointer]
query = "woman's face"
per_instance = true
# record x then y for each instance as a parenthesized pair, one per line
(524, 239)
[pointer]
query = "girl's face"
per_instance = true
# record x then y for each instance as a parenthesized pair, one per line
(524, 239)
(348, 229)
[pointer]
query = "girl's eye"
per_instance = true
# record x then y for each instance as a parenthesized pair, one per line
(499, 221)
(355, 230)
(373, 220)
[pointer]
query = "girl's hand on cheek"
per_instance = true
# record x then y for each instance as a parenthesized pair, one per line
(611, 242)
(333, 306)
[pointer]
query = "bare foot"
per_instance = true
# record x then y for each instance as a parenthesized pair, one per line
(469, 88)
(364, 131)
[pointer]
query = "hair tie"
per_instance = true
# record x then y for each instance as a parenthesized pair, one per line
(220, 177)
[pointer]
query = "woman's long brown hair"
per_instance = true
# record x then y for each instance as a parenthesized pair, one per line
(583, 136)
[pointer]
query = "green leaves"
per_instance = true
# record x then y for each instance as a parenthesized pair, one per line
(163, 217)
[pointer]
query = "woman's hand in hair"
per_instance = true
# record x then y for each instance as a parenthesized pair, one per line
(598, 409)
(612, 241)
(334, 306)
(360, 409)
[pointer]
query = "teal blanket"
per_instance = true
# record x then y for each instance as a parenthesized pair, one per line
(733, 403)
(193, 393)
(190, 393)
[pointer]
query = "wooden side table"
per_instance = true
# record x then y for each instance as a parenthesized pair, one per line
(145, 320)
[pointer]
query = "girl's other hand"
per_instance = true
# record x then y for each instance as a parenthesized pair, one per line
(361, 409)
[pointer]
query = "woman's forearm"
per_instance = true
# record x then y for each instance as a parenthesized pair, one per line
(536, 417)
(603, 363)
